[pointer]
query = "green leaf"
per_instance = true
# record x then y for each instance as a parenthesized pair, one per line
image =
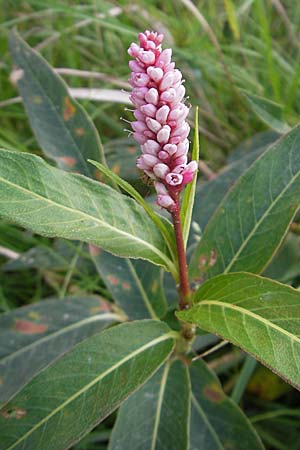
(250, 223)
(55, 203)
(190, 190)
(162, 224)
(269, 112)
(259, 315)
(62, 127)
(216, 421)
(67, 399)
(285, 266)
(136, 286)
(33, 336)
(210, 194)
(157, 416)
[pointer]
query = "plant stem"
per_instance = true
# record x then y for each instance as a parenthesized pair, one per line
(184, 287)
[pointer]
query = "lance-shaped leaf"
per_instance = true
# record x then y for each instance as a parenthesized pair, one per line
(67, 399)
(62, 127)
(136, 286)
(33, 336)
(217, 422)
(157, 416)
(210, 194)
(259, 315)
(250, 223)
(55, 203)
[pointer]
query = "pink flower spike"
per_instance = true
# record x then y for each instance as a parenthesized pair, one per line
(161, 170)
(174, 179)
(151, 147)
(153, 125)
(160, 188)
(162, 114)
(189, 171)
(160, 126)
(152, 96)
(165, 201)
(155, 73)
(164, 134)
(149, 110)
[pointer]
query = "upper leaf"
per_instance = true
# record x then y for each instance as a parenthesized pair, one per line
(253, 218)
(56, 203)
(33, 336)
(67, 399)
(213, 415)
(259, 315)
(62, 127)
(157, 416)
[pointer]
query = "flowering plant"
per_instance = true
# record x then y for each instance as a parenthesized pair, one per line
(68, 364)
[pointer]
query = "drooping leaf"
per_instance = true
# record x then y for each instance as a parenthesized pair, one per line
(33, 336)
(251, 221)
(156, 417)
(257, 314)
(62, 127)
(217, 422)
(67, 399)
(136, 286)
(269, 112)
(55, 203)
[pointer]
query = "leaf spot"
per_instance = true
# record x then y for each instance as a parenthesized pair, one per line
(13, 413)
(27, 327)
(67, 161)
(113, 280)
(37, 99)
(213, 393)
(95, 251)
(131, 150)
(116, 169)
(80, 131)
(16, 75)
(34, 315)
(126, 286)
(69, 109)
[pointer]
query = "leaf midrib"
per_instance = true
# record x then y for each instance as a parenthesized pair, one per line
(209, 425)
(83, 214)
(81, 391)
(143, 293)
(159, 404)
(249, 313)
(258, 223)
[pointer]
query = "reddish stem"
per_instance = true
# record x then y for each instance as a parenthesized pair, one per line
(184, 287)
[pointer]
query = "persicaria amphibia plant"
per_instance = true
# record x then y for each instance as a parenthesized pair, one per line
(160, 127)
(67, 363)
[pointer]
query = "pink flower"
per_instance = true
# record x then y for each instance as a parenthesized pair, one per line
(160, 125)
